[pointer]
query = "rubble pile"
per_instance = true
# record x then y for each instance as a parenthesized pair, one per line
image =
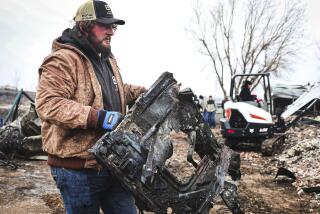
(302, 155)
(21, 138)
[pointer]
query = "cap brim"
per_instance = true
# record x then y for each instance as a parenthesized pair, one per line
(110, 21)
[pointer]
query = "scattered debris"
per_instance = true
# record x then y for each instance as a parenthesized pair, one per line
(21, 138)
(310, 121)
(284, 95)
(315, 189)
(301, 155)
(8, 164)
(285, 172)
(258, 193)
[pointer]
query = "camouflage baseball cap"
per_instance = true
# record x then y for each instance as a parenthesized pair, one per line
(98, 11)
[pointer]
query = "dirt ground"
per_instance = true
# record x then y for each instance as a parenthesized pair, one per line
(260, 192)
(30, 189)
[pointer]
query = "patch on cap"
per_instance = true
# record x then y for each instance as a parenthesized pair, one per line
(85, 12)
(109, 12)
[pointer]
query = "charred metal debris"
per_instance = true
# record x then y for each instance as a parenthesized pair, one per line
(137, 150)
(20, 139)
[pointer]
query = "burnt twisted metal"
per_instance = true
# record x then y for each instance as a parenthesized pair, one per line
(137, 150)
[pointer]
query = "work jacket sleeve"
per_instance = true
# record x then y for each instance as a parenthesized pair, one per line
(55, 93)
(132, 92)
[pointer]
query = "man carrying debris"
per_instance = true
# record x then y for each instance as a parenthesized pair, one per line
(81, 95)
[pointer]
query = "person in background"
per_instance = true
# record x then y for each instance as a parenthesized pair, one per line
(201, 104)
(211, 112)
(245, 94)
(80, 95)
(226, 99)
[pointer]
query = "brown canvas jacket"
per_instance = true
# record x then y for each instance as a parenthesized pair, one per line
(68, 91)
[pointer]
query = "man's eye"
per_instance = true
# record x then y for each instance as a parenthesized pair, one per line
(114, 26)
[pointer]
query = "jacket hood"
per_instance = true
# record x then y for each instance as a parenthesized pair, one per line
(69, 39)
(72, 40)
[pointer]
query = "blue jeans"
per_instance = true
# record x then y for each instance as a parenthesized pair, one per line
(210, 119)
(85, 191)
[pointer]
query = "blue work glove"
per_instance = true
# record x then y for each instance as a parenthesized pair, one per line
(108, 120)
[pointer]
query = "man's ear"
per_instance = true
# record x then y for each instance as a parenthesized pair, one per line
(83, 29)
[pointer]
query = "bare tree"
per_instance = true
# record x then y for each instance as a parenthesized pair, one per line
(246, 36)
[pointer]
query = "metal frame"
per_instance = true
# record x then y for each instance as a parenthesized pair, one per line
(266, 88)
(12, 114)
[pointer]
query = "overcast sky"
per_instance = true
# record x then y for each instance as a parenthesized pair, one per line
(152, 41)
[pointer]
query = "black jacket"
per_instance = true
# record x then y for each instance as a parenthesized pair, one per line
(245, 94)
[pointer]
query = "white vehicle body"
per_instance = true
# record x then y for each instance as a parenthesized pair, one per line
(251, 113)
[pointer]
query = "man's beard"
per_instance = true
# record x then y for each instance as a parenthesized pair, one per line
(100, 48)
(105, 51)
